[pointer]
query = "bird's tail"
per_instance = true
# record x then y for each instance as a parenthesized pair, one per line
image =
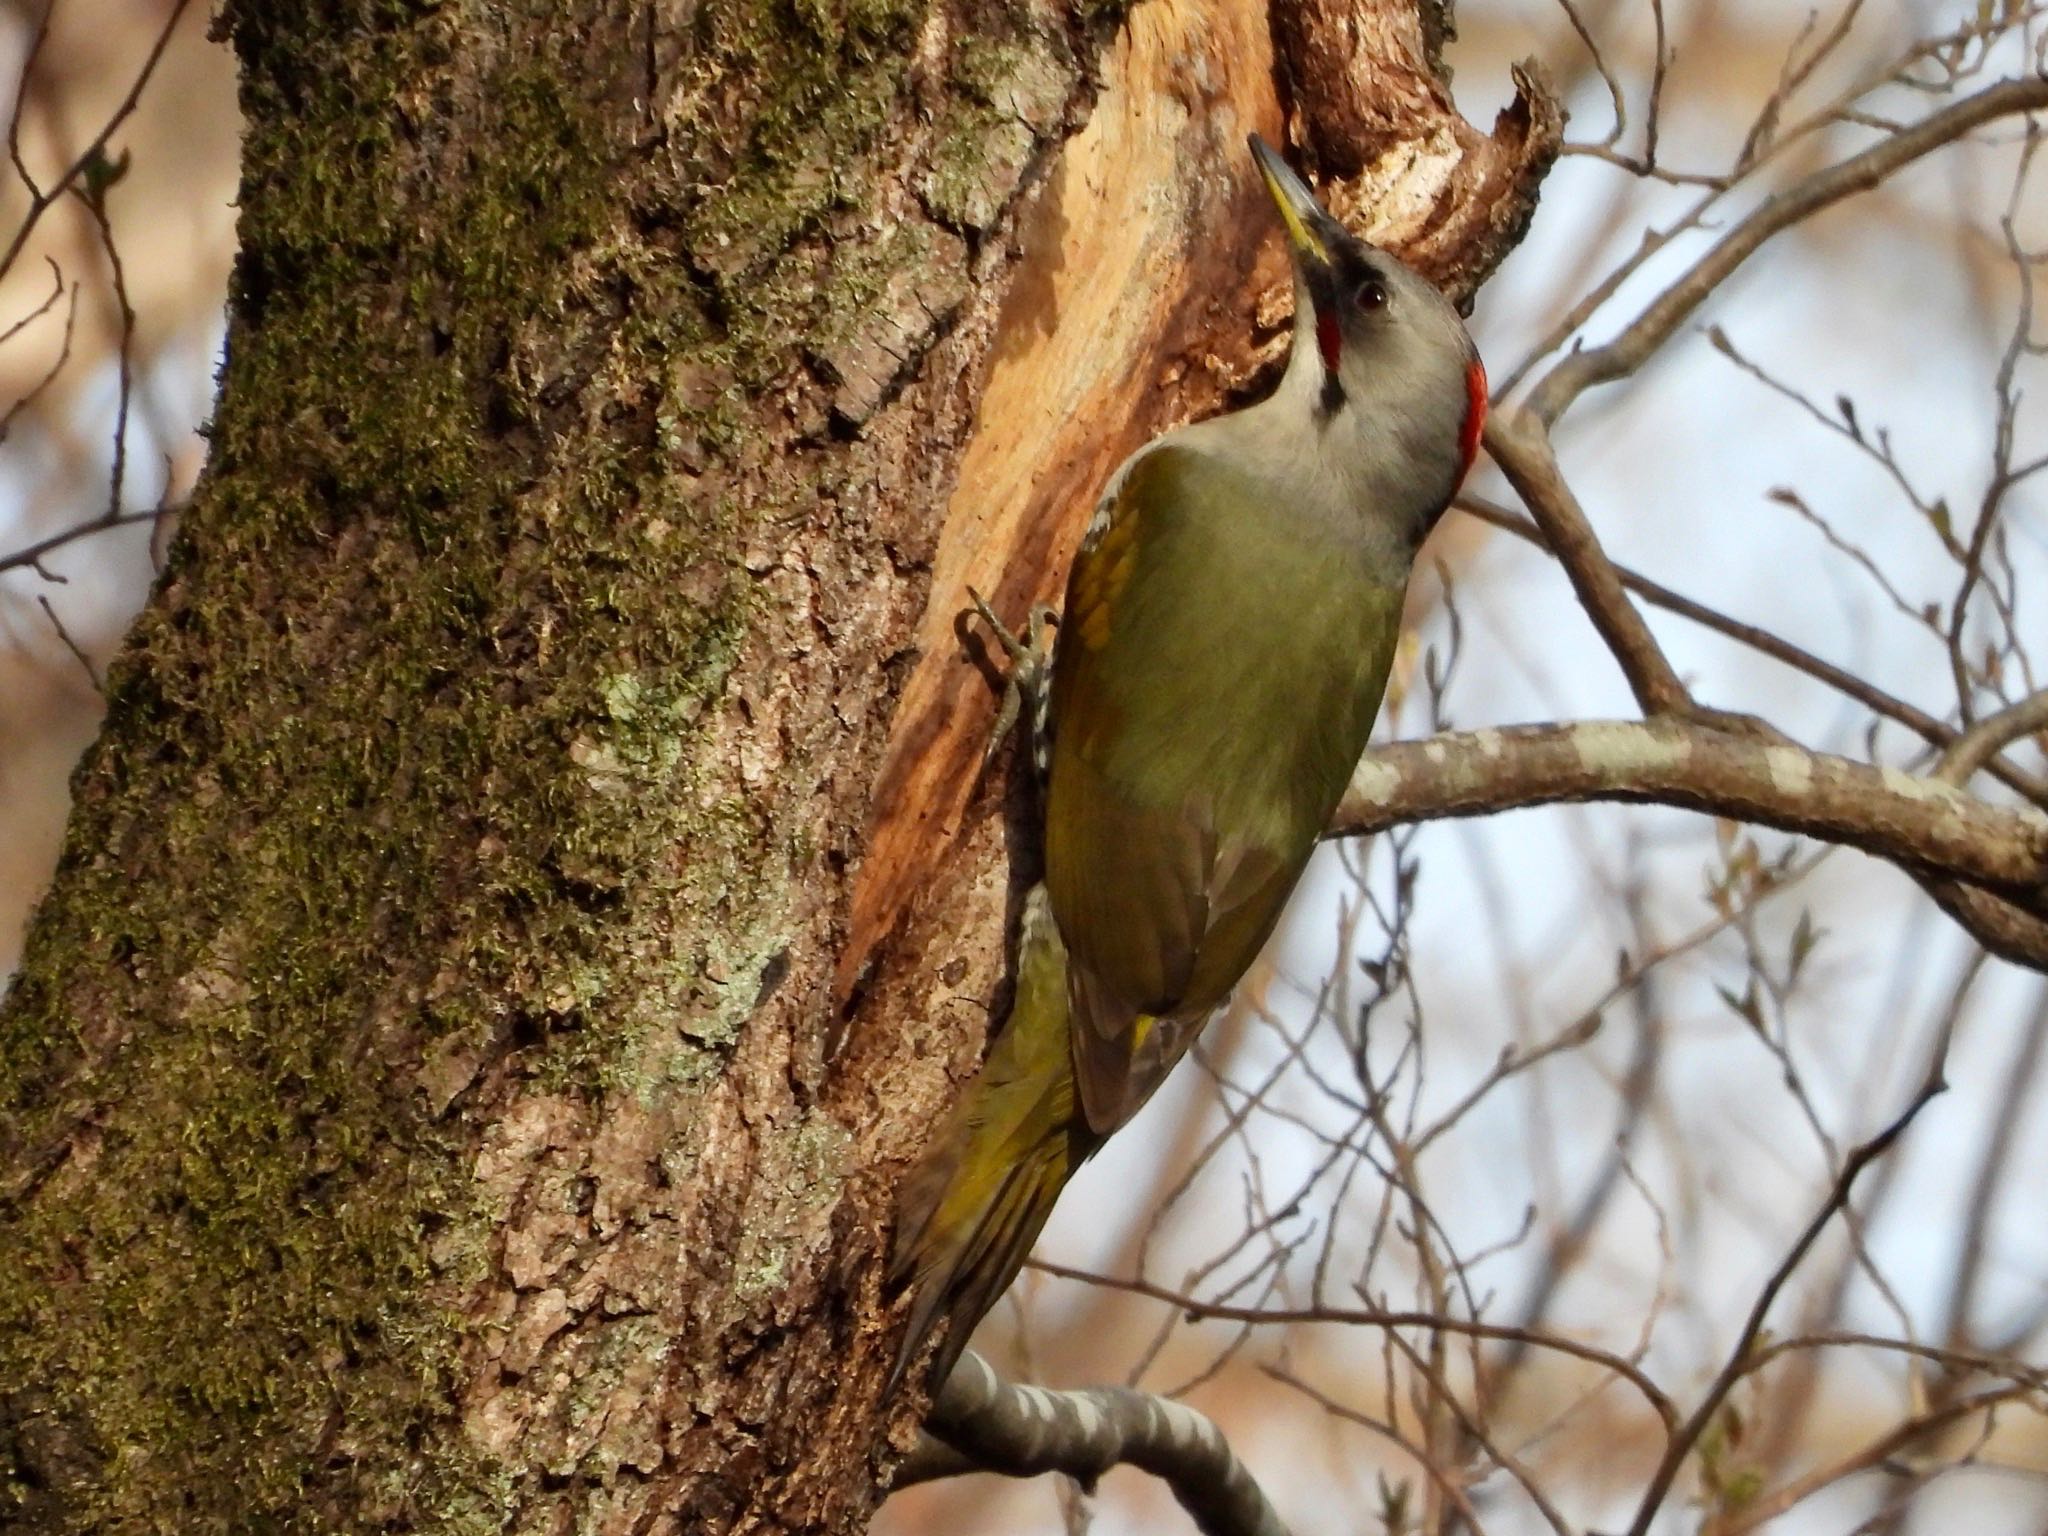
(970, 1211)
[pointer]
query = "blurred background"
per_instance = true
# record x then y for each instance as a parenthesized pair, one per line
(1576, 1078)
(172, 219)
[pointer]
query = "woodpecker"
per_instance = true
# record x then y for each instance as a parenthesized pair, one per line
(1224, 645)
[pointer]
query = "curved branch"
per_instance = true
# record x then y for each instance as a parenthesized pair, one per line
(2008, 931)
(1915, 1429)
(1976, 747)
(1859, 173)
(995, 1426)
(1930, 828)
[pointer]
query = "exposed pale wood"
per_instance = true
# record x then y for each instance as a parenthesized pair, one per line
(473, 845)
(1153, 290)
(1374, 113)
(1123, 277)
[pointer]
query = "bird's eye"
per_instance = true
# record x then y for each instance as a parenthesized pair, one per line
(1372, 294)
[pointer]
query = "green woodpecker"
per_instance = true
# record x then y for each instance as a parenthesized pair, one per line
(1228, 627)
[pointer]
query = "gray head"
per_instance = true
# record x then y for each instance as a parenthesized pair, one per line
(1381, 362)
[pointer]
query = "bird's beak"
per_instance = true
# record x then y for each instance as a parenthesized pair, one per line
(1307, 224)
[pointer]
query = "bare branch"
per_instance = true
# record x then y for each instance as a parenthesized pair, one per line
(1653, 114)
(2008, 931)
(1984, 537)
(996, 1426)
(42, 309)
(41, 198)
(1843, 423)
(1737, 1365)
(70, 642)
(1520, 445)
(94, 196)
(1999, 1366)
(1984, 740)
(1993, 1170)
(1934, 732)
(30, 556)
(1859, 173)
(1895, 1440)
(28, 65)
(1615, 96)
(1440, 1480)
(49, 374)
(1381, 1317)
(1475, 1431)
(1919, 823)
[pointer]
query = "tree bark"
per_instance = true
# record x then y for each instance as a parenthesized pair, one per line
(530, 898)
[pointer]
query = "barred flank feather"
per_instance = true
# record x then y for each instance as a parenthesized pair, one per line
(970, 1211)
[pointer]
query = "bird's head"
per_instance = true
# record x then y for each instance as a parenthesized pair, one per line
(1377, 349)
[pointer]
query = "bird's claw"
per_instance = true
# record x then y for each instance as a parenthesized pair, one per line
(1029, 665)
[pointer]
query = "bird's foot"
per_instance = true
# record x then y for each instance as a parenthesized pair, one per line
(1030, 668)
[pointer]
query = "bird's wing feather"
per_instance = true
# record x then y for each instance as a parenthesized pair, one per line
(1193, 764)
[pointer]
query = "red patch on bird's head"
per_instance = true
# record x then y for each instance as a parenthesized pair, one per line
(1475, 414)
(1329, 337)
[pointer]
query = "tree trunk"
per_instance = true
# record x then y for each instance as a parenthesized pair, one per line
(529, 899)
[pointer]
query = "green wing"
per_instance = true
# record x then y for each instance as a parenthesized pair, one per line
(1219, 665)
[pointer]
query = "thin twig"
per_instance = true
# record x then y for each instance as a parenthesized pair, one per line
(1653, 113)
(42, 309)
(31, 556)
(1439, 1479)
(1380, 1317)
(1431, 1370)
(1736, 1366)
(1878, 1452)
(49, 374)
(94, 195)
(1993, 1170)
(41, 198)
(1581, 371)
(70, 644)
(1616, 99)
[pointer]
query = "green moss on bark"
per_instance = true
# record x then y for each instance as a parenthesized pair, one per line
(413, 773)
